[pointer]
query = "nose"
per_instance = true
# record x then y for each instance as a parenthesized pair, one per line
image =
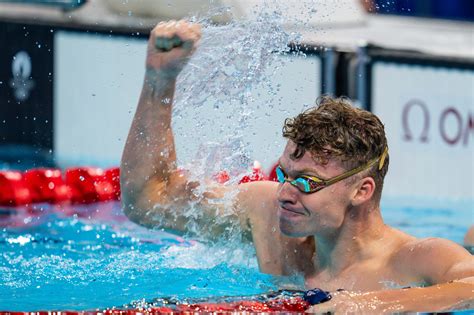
(286, 193)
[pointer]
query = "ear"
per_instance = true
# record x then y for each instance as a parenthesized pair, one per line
(363, 191)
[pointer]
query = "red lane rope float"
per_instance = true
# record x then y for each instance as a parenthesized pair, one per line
(14, 190)
(273, 305)
(46, 185)
(294, 306)
(75, 185)
(256, 175)
(80, 185)
(90, 185)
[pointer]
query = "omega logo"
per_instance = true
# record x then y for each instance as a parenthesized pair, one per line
(21, 83)
(459, 131)
(426, 120)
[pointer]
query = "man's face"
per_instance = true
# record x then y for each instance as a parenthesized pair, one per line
(322, 212)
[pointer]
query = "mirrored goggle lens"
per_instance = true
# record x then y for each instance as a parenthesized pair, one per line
(302, 184)
(280, 175)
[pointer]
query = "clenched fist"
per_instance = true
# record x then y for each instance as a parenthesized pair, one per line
(170, 45)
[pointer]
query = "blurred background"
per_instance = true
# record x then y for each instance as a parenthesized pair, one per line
(71, 74)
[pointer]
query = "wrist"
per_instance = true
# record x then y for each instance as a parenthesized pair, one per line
(158, 85)
(159, 77)
(341, 301)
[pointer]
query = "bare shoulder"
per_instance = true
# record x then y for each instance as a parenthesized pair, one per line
(435, 260)
(424, 248)
(257, 193)
(258, 201)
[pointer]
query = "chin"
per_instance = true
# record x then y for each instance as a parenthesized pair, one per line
(291, 229)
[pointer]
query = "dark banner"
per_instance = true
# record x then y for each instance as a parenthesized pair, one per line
(26, 85)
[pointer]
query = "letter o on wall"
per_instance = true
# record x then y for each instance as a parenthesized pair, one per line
(450, 111)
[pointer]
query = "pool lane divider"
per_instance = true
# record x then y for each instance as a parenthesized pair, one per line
(79, 185)
(296, 305)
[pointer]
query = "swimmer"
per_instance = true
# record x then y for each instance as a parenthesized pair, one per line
(321, 220)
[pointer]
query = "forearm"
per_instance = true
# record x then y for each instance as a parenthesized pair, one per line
(153, 190)
(149, 152)
(441, 297)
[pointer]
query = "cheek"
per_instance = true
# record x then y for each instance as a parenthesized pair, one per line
(327, 210)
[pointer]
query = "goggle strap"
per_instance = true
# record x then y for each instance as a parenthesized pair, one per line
(350, 173)
(380, 159)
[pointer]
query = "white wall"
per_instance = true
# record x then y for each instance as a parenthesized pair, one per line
(432, 144)
(97, 82)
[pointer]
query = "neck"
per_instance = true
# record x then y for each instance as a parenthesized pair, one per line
(355, 240)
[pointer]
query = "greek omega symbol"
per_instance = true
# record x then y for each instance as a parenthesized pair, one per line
(425, 120)
(21, 83)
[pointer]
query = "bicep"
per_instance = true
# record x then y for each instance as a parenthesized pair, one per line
(441, 261)
(174, 203)
(462, 269)
(155, 204)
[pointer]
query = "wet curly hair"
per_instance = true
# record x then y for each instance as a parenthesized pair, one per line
(335, 129)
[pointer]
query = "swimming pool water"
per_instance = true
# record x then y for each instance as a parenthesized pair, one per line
(98, 259)
(92, 257)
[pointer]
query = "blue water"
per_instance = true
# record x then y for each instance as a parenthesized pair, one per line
(430, 217)
(99, 259)
(91, 257)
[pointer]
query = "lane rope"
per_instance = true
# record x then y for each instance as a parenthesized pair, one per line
(80, 185)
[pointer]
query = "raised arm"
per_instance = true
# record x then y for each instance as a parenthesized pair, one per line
(148, 169)
(155, 192)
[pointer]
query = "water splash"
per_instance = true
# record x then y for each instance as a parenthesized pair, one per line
(215, 89)
(214, 105)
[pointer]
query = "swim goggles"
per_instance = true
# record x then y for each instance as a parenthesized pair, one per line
(311, 184)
